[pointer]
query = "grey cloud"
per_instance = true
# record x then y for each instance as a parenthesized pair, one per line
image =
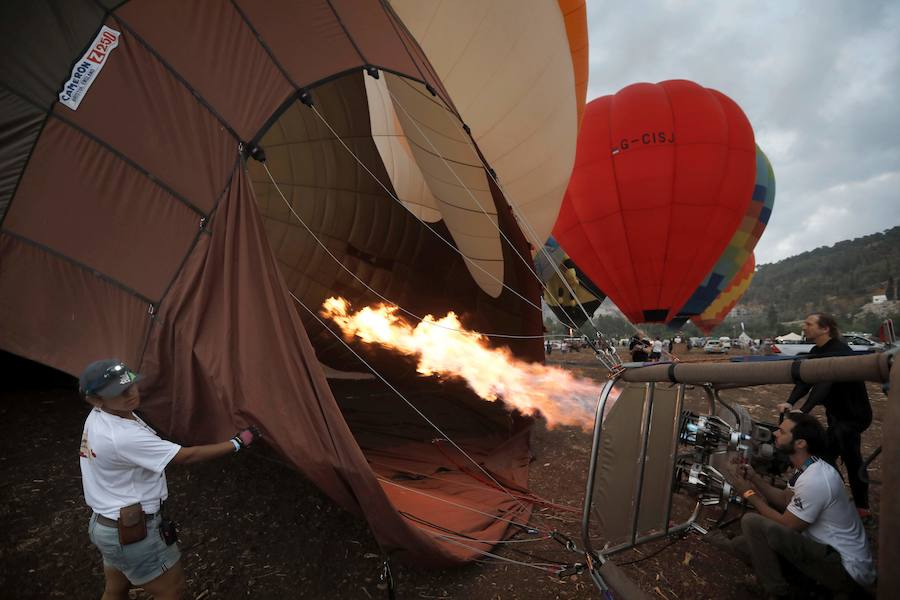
(819, 80)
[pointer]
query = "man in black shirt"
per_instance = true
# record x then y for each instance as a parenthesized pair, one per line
(846, 403)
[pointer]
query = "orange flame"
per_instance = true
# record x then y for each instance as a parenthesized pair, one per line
(444, 348)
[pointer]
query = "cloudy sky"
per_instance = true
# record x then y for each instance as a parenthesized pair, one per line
(819, 81)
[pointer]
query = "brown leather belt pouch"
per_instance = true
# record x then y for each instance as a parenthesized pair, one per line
(131, 525)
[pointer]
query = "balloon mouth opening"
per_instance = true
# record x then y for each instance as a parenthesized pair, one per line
(655, 315)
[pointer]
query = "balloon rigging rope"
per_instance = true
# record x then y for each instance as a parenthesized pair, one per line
(546, 567)
(610, 361)
(547, 535)
(408, 403)
(501, 488)
(610, 364)
(458, 505)
(430, 228)
(529, 229)
(324, 247)
(531, 498)
(489, 216)
(370, 367)
(520, 216)
(496, 542)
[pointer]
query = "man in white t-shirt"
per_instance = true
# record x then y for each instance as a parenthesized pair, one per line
(811, 525)
(123, 465)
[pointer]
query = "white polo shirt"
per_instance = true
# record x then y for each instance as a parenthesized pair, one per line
(123, 462)
(821, 500)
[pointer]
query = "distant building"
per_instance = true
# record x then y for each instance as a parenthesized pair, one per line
(879, 299)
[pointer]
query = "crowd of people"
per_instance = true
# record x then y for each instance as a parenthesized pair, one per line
(647, 350)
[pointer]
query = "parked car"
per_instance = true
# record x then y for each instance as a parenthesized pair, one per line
(726, 343)
(713, 347)
(864, 343)
(857, 343)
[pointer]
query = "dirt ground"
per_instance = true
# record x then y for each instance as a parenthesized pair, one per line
(252, 528)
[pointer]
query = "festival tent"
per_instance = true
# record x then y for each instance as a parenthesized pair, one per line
(790, 337)
(138, 221)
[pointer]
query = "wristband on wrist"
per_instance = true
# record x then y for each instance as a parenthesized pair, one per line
(746, 495)
(237, 444)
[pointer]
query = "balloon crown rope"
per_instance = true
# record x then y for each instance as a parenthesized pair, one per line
(603, 349)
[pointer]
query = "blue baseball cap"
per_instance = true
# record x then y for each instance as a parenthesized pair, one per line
(107, 378)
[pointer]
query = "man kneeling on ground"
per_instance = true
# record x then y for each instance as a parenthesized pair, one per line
(811, 525)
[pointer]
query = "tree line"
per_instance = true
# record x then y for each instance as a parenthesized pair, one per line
(836, 279)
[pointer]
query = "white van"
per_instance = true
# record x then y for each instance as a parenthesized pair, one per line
(726, 343)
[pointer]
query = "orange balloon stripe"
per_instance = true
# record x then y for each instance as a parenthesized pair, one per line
(575, 16)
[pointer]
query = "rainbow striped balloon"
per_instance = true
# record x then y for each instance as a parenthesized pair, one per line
(716, 312)
(741, 245)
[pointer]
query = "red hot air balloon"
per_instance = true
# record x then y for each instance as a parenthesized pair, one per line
(663, 176)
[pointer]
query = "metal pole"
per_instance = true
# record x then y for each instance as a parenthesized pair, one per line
(642, 461)
(592, 469)
(679, 402)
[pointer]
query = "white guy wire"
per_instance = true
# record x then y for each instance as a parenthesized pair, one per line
(363, 283)
(391, 194)
(519, 217)
(408, 403)
(496, 225)
(501, 558)
(538, 243)
(458, 505)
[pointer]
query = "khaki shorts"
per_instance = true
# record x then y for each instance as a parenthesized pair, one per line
(140, 562)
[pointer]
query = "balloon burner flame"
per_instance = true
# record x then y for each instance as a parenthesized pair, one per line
(444, 349)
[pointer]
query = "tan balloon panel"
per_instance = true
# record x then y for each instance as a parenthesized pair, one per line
(507, 64)
(397, 155)
(455, 177)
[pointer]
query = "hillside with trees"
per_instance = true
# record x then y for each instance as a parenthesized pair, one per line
(840, 279)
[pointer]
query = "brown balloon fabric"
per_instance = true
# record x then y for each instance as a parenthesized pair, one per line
(135, 226)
